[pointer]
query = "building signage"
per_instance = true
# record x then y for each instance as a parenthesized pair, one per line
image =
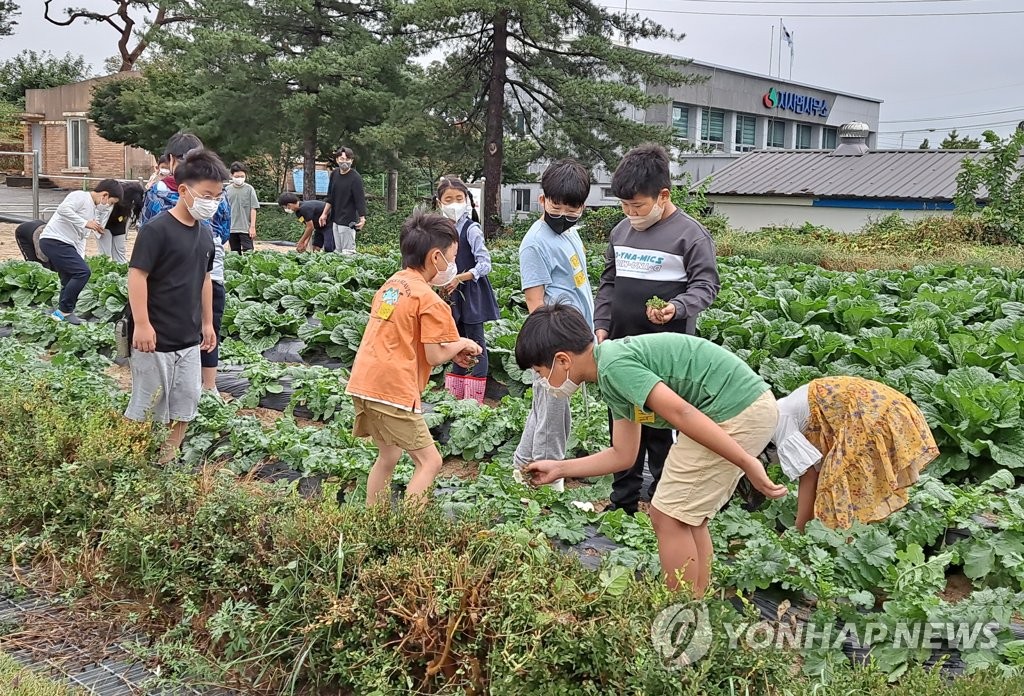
(797, 103)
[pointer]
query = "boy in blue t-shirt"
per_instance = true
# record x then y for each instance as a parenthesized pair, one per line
(553, 267)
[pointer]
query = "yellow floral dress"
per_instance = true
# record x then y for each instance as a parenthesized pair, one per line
(875, 442)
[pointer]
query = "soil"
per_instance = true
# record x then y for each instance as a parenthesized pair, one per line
(268, 416)
(958, 586)
(460, 468)
(122, 374)
(9, 247)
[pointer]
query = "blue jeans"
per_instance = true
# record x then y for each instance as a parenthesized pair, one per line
(73, 271)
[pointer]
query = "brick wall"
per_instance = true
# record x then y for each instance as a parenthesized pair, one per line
(106, 159)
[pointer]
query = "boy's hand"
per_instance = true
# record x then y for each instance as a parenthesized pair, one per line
(94, 226)
(323, 220)
(760, 481)
(661, 316)
(209, 338)
(144, 338)
(470, 347)
(601, 335)
(360, 224)
(252, 232)
(301, 246)
(544, 471)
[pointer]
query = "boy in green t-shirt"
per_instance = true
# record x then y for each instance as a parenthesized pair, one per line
(724, 412)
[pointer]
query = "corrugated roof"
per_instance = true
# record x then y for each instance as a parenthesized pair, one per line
(890, 174)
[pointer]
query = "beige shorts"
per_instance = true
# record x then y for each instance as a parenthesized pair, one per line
(696, 482)
(390, 425)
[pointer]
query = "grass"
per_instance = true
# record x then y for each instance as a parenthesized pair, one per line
(17, 680)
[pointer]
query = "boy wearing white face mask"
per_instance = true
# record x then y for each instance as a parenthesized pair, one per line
(470, 293)
(410, 331)
(244, 203)
(657, 251)
(170, 294)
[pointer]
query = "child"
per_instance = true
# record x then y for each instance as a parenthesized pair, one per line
(63, 241)
(553, 268)
(472, 297)
(410, 331)
(346, 202)
(244, 203)
(161, 170)
(112, 241)
(308, 213)
(724, 412)
(657, 251)
(170, 294)
(27, 237)
(856, 446)
(163, 196)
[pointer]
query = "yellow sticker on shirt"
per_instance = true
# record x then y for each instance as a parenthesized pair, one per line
(385, 311)
(580, 279)
(642, 417)
(388, 301)
(576, 265)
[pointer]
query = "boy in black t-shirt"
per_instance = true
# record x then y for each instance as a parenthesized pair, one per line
(308, 213)
(171, 297)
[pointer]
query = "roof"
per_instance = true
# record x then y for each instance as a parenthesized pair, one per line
(928, 175)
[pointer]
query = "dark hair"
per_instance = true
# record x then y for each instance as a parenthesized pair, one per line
(201, 165)
(644, 170)
(287, 199)
(552, 329)
(111, 187)
(566, 182)
(449, 182)
(130, 203)
(423, 232)
(163, 159)
(180, 143)
(347, 151)
(238, 167)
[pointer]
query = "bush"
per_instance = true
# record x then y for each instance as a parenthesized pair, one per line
(275, 225)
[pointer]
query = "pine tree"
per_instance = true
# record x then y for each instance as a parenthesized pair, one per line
(953, 141)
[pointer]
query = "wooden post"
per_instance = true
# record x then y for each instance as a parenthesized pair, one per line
(392, 191)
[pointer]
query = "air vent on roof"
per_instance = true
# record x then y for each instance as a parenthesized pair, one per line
(853, 139)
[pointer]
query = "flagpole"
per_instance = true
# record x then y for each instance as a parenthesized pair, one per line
(791, 37)
(771, 52)
(780, 48)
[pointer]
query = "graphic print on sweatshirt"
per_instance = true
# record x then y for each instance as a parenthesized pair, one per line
(645, 264)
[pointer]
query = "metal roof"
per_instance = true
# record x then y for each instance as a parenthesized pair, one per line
(928, 175)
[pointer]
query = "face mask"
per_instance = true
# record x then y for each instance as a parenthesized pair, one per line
(564, 390)
(164, 171)
(289, 211)
(446, 276)
(103, 208)
(559, 223)
(238, 180)
(202, 208)
(642, 222)
(453, 211)
(344, 166)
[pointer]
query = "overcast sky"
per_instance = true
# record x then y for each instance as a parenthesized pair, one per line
(925, 68)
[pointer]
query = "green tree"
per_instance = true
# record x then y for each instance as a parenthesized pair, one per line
(556, 66)
(8, 11)
(997, 177)
(925, 145)
(31, 70)
(136, 22)
(954, 141)
(143, 112)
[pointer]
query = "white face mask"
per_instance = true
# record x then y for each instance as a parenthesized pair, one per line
(453, 211)
(564, 390)
(289, 211)
(446, 276)
(238, 180)
(642, 222)
(202, 208)
(164, 171)
(103, 208)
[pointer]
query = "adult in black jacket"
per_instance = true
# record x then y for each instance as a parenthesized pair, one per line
(346, 202)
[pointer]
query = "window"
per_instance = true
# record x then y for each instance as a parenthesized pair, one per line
(606, 192)
(681, 120)
(830, 138)
(521, 200)
(78, 143)
(776, 134)
(745, 127)
(520, 124)
(803, 137)
(712, 126)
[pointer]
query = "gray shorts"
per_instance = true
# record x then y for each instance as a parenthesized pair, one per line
(344, 239)
(165, 386)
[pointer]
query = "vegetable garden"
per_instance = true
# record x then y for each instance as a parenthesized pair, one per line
(950, 337)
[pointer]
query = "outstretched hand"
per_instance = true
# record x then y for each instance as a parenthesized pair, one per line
(543, 471)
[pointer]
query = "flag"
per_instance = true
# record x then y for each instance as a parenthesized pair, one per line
(787, 36)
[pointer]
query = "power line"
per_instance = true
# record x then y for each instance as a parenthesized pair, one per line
(946, 118)
(820, 2)
(954, 127)
(969, 13)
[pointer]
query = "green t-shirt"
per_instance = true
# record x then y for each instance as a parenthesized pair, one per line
(707, 376)
(243, 201)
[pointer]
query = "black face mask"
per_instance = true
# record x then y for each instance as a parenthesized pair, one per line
(559, 223)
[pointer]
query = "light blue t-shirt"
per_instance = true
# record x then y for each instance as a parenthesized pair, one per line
(559, 263)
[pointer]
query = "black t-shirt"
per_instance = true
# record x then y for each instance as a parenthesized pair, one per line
(177, 259)
(347, 198)
(310, 211)
(117, 223)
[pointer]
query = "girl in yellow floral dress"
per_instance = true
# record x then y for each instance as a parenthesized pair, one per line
(855, 445)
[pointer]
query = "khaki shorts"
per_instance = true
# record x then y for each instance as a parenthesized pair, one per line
(390, 425)
(696, 482)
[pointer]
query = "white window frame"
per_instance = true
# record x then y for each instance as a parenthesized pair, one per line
(684, 112)
(768, 139)
(824, 137)
(82, 159)
(809, 130)
(518, 196)
(744, 147)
